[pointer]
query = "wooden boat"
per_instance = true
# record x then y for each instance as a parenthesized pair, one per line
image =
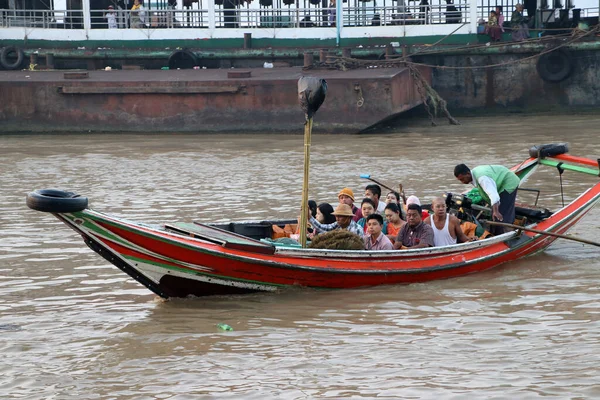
(181, 259)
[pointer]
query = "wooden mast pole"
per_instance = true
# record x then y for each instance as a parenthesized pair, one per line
(304, 207)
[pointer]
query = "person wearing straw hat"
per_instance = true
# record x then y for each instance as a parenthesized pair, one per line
(346, 196)
(343, 220)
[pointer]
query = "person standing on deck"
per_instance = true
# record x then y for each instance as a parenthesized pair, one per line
(497, 186)
(138, 14)
(111, 17)
(453, 16)
(520, 30)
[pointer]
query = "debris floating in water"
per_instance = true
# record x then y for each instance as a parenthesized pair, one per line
(224, 327)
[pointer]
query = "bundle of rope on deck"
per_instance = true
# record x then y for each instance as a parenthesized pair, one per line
(337, 240)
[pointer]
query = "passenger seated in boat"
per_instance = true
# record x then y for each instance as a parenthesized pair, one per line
(415, 200)
(343, 220)
(367, 207)
(312, 206)
(415, 234)
(374, 193)
(375, 239)
(394, 197)
(394, 222)
(346, 196)
(310, 232)
(446, 227)
(324, 213)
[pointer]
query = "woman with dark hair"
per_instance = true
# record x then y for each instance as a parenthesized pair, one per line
(310, 231)
(394, 197)
(312, 206)
(394, 222)
(324, 214)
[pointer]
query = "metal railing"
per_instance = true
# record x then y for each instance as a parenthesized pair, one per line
(154, 19)
(248, 17)
(406, 15)
(241, 17)
(549, 14)
(46, 19)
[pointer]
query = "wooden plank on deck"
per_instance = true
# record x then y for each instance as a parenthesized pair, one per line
(147, 89)
(224, 238)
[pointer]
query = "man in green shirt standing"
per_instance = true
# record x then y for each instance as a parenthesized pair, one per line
(497, 186)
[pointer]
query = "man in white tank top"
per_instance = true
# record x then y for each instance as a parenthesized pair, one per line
(446, 227)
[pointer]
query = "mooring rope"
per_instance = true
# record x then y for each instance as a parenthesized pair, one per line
(432, 101)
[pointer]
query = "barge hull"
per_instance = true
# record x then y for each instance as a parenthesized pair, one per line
(200, 100)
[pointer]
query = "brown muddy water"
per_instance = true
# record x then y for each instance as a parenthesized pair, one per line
(73, 326)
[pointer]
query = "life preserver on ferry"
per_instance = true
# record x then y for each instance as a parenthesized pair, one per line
(548, 150)
(56, 201)
(555, 66)
(5, 57)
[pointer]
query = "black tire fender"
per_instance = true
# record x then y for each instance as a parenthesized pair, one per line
(555, 66)
(183, 59)
(56, 201)
(6, 64)
(548, 150)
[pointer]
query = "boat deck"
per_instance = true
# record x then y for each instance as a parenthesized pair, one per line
(202, 75)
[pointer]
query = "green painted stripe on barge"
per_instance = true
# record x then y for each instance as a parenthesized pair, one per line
(238, 43)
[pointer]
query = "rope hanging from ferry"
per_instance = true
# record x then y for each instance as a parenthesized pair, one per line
(432, 101)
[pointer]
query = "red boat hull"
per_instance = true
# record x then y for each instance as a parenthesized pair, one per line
(210, 261)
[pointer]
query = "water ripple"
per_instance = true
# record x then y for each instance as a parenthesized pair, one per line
(76, 327)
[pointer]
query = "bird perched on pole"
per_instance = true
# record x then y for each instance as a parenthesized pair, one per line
(311, 93)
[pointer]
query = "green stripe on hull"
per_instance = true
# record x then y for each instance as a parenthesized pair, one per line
(570, 167)
(90, 226)
(199, 273)
(157, 237)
